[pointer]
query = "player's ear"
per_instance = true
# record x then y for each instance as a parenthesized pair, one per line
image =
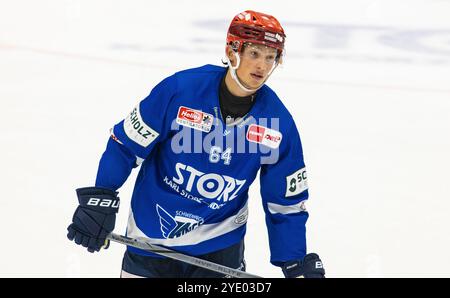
(229, 51)
(280, 60)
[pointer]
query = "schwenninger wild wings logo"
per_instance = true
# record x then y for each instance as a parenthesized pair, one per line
(178, 225)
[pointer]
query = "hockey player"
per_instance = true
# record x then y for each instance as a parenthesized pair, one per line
(200, 138)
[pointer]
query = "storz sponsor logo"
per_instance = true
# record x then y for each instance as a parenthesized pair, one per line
(220, 188)
(137, 130)
(265, 136)
(103, 202)
(195, 119)
(296, 183)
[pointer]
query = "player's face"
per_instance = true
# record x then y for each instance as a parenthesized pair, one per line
(256, 63)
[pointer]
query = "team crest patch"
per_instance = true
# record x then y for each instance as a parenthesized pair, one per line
(178, 225)
(195, 119)
(265, 136)
(241, 218)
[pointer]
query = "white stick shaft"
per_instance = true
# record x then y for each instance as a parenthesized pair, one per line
(146, 245)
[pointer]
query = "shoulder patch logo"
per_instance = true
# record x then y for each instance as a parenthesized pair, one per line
(296, 183)
(195, 119)
(265, 136)
(137, 130)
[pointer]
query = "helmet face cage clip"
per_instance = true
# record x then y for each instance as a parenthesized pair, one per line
(236, 45)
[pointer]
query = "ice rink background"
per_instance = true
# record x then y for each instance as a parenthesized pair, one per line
(368, 83)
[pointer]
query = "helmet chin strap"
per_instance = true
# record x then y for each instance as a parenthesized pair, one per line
(236, 78)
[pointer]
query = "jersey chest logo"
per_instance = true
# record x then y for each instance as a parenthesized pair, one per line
(194, 119)
(263, 135)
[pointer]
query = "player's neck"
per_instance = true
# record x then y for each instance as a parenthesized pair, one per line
(234, 88)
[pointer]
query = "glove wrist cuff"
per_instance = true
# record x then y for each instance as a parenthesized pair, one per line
(309, 267)
(100, 199)
(292, 269)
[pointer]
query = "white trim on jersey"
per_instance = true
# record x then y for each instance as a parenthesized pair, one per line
(139, 160)
(286, 209)
(202, 233)
(125, 274)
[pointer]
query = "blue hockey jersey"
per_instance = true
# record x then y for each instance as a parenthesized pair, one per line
(191, 192)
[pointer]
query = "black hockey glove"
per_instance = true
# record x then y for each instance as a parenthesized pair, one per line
(310, 267)
(94, 218)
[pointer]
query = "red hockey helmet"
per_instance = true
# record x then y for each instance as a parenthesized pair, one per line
(255, 27)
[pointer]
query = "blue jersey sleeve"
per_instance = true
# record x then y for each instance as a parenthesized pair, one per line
(133, 139)
(115, 166)
(284, 191)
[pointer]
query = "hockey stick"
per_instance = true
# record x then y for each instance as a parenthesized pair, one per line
(144, 244)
